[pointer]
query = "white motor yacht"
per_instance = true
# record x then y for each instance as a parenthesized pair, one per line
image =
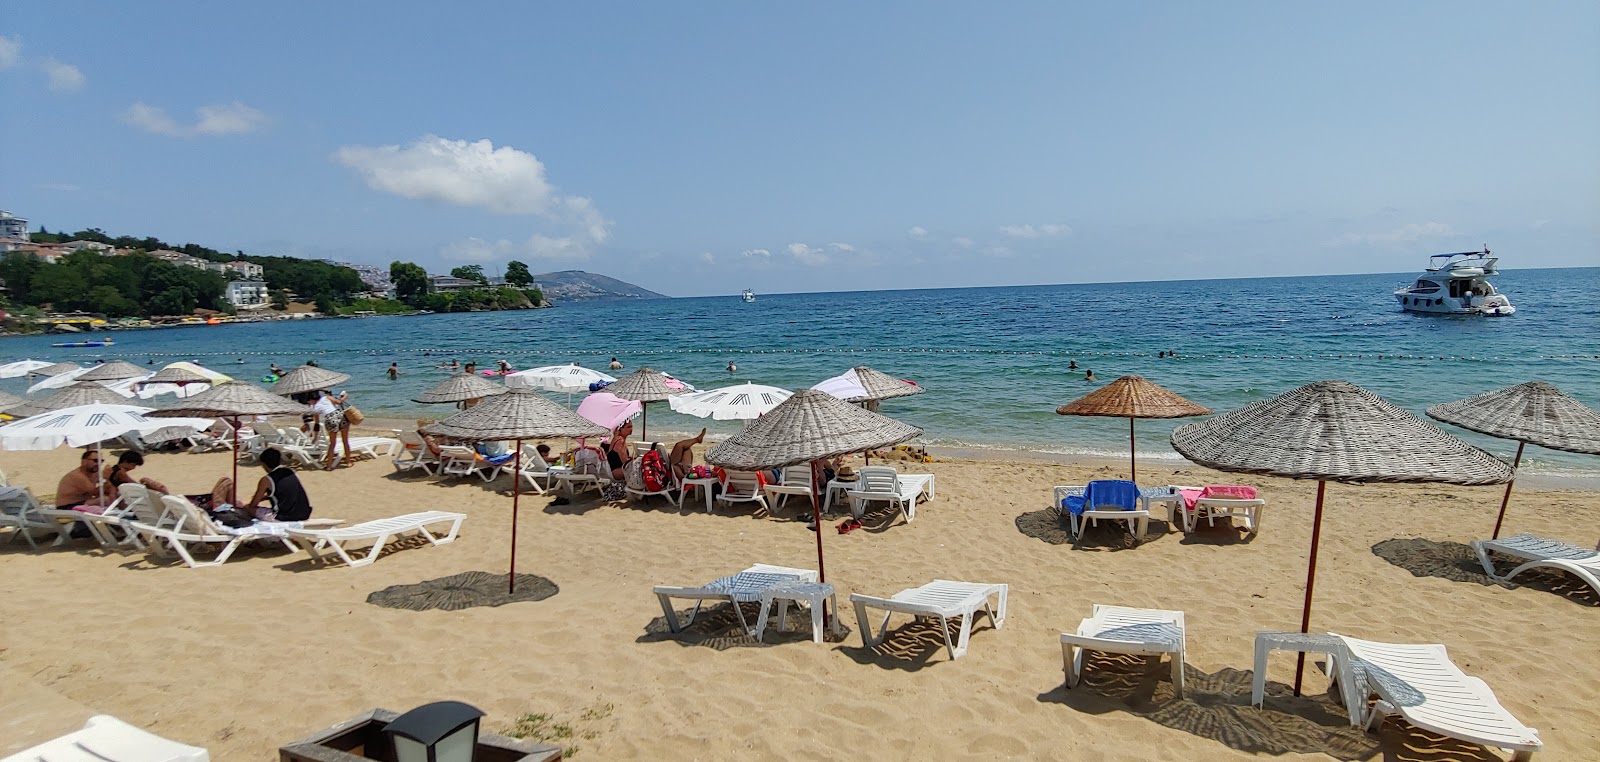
(1457, 284)
(748, 295)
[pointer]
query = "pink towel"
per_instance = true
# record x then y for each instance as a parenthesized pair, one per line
(1228, 492)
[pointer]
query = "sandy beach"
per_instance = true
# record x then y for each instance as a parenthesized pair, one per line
(268, 647)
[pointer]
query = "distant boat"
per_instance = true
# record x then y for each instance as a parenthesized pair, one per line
(1457, 284)
(80, 344)
(748, 295)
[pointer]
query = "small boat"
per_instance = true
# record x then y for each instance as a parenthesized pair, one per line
(1457, 284)
(748, 295)
(82, 344)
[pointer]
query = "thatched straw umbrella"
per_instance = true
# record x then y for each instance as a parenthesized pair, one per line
(8, 400)
(84, 393)
(809, 426)
(1333, 431)
(307, 378)
(116, 370)
(56, 370)
(1534, 412)
(645, 385)
(175, 375)
(516, 415)
(233, 400)
(460, 388)
(867, 387)
(1132, 397)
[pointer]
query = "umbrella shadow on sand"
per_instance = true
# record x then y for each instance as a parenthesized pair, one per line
(716, 627)
(1459, 563)
(1048, 526)
(1217, 707)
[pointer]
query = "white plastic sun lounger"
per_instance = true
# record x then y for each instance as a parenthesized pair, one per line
(372, 447)
(940, 598)
(1124, 630)
(107, 739)
(744, 587)
(194, 527)
(881, 483)
(379, 532)
(1540, 553)
(743, 487)
(796, 481)
(1421, 683)
(19, 509)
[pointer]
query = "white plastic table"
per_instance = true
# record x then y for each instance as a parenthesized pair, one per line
(705, 489)
(1352, 680)
(838, 486)
(813, 593)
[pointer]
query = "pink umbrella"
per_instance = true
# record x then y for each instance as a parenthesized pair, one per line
(608, 410)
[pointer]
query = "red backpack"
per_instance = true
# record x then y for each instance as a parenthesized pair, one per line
(654, 471)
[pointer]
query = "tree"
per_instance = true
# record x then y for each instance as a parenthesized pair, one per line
(517, 274)
(410, 282)
(280, 299)
(470, 272)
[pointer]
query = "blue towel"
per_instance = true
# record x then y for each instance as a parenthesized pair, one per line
(1111, 493)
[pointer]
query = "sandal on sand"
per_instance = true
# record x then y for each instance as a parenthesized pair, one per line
(848, 525)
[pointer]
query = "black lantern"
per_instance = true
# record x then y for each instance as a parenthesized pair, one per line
(444, 731)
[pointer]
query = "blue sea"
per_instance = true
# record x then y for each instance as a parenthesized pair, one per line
(994, 360)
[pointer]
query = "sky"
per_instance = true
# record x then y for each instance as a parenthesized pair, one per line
(702, 148)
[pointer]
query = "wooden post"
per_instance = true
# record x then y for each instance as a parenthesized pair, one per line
(822, 573)
(1311, 581)
(233, 491)
(516, 497)
(1507, 499)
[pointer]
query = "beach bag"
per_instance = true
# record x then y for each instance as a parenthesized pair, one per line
(633, 474)
(354, 416)
(653, 471)
(588, 461)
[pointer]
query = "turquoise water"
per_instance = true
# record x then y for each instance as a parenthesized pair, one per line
(993, 359)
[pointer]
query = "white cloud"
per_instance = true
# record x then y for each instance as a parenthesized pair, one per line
(10, 52)
(964, 242)
(1403, 234)
(219, 119)
(844, 247)
(807, 255)
(917, 231)
(708, 258)
(757, 253)
(228, 119)
(1034, 231)
(64, 77)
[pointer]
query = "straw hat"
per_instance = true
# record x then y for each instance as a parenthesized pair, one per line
(307, 378)
(807, 426)
(82, 393)
(882, 386)
(1337, 431)
(644, 385)
(116, 370)
(1535, 412)
(516, 414)
(459, 387)
(232, 399)
(1132, 397)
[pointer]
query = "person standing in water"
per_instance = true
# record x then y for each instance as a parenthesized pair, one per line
(615, 364)
(731, 367)
(394, 371)
(1089, 375)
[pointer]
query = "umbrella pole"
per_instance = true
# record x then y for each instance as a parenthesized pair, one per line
(516, 497)
(822, 573)
(233, 487)
(1507, 499)
(1311, 581)
(1133, 461)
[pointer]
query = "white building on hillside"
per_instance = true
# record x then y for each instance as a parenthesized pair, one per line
(246, 270)
(248, 294)
(95, 246)
(12, 226)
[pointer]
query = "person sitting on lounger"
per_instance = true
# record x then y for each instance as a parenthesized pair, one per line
(79, 490)
(617, 452)
(279, 495)
(121, 473)
(682, 457)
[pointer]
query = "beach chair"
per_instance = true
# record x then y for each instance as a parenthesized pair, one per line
(1123, 630)
(218, 437)
(379, 533)
(19, 510)
(588, 470)
(1419, 682)
(940, 598)
(1109, 499)
(107, 739)
(295, 444)
(744, 587)
(795, 480)
(667, 489)
(535, 468)
(742, 487)
(1540, 553)
(193, 527)
(371, 447)
(135, 502)
(250, 448)
(883, 484)
(414, 453)
(1219, 501)
(461, 460)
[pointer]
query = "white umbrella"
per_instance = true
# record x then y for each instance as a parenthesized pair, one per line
(145, 390)
(60, 380)
(22, 368)
(738, 402)
(558, 378)
(85, 425)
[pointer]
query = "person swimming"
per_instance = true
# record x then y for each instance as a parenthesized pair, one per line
(732, 367)
(1089, 376)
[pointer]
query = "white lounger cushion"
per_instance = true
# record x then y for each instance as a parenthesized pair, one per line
(1422, 684)
(379, 532)
(1539, 552)
(1123, 630)
(742, 587)
(940, 598)
(105, 738)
